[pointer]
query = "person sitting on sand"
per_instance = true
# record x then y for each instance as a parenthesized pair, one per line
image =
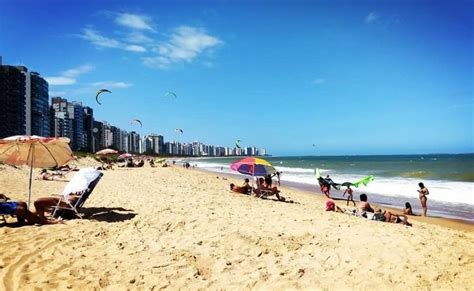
(264, 190)
(20, 210)
(408, 210)
(44, 204)
(247, 186)
(364, 206)
(331, 206)
(237, 189)
(44, 175)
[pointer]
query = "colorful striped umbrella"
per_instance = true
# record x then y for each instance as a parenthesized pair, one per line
(253, 167)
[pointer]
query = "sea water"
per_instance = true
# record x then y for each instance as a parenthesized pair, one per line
(449, 178)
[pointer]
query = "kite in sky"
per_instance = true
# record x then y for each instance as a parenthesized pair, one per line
(100, 92)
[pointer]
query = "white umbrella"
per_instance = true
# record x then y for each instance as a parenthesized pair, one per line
(36, 152)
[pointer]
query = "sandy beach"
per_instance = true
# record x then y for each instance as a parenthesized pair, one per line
(172, 228)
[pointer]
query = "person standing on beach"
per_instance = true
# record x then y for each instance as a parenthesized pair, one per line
(349, 195)
(423, 199)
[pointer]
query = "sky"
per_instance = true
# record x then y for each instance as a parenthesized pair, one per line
(349, 77)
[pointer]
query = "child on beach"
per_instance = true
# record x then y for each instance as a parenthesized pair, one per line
(349, 195)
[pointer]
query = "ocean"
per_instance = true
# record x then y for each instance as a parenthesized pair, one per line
(449, 178)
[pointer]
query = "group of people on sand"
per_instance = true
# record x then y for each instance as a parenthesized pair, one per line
(264, 187)
(423, 192)
(367, 211)
(42, 205)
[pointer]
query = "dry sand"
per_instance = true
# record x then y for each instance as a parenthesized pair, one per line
(154, 228)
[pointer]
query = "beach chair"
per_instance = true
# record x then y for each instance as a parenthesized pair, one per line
(4, 218)
(82, 184)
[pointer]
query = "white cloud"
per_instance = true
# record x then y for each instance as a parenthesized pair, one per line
(102, 41)
(371, 17)
(60, 81)
(319, 81)
(138, 37)
(134, 21)
(72, 73)
(99, 40)
(112, 84)
(68, 77)
(184, 45)
(135, 48)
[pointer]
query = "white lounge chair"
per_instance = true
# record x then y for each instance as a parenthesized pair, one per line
(82, 184)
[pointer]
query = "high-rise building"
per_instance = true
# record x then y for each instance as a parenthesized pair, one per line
(108, 136)
(12, 101)
(157, 143)
(125, 141)
(134, 142)
(98, 135)
(76, 114)
(88, 127)
(117, 138)
(38, 105)
(61, 124)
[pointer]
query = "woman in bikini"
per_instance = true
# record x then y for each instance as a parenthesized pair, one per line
(423, 191)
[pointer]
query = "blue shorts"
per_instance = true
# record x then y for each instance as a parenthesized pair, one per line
(8, 208)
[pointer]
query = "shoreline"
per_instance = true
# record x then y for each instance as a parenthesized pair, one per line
(453, 223)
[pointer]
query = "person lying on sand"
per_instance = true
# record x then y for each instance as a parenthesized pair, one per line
(44, 175)
(20, 210)
(237, 189)
(391, 217)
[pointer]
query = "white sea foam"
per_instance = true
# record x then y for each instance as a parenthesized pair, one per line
(441, 191)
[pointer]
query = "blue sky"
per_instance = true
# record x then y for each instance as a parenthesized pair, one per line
(351, 77)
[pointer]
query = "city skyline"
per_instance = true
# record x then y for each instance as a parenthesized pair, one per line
(350, 78)
(26, 110)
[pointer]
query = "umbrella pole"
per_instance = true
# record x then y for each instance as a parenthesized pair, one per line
(32, 152)
(253, 178)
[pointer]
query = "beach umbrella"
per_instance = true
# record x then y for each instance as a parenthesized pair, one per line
(253, 167)
(125, 156)
(106, 152)
(36, 152)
